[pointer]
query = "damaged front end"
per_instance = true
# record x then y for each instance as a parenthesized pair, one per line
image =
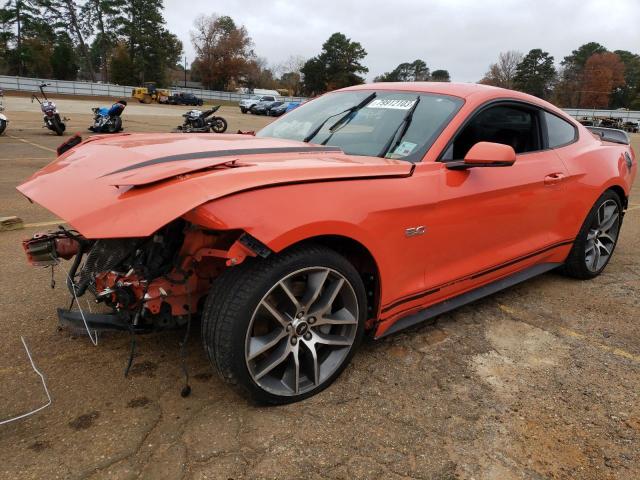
(147, 284)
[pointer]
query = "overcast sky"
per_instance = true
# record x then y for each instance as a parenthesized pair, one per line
(462, 36)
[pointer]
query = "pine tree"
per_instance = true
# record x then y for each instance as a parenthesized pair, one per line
(66, 15)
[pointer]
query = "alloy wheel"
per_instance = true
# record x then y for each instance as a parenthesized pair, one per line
(301, 331)
(602, 236)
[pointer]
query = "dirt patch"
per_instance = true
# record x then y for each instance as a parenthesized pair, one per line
(84, 421)
(39, 446)
(143, 369)
(138, 402)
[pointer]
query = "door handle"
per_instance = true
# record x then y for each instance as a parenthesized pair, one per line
(553, 178)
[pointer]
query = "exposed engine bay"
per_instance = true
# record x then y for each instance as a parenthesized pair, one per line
(148, 283)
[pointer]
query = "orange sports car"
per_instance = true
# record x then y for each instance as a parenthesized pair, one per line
(368, 209)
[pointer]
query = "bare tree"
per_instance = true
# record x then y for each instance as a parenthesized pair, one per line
(502, 73)
(293, 64)
(224, 51)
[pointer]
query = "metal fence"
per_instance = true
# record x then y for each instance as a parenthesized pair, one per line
(24, 84)
(627, 115)
(67, 87)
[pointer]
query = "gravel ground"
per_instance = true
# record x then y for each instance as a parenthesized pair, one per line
(538, 381)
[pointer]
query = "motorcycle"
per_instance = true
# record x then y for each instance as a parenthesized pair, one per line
(52, 118)
(108, 120)
(196, 121)
(3, 118)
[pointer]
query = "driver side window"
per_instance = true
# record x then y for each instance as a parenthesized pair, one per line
(507, 124)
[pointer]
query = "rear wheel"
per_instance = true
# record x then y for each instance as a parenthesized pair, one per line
(115, 125)
(597, 238)
(283, 328)
(219, 125)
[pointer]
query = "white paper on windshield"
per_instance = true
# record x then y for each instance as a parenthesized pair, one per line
(404, 149)
(392, 104)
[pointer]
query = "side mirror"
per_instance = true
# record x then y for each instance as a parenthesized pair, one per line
(486, 154)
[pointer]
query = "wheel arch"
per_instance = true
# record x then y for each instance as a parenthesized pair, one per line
(624, 199)
(360, 257)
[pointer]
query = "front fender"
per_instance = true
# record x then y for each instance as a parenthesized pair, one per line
(278, 224)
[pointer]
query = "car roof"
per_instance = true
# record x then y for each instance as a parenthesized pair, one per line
(481, 93)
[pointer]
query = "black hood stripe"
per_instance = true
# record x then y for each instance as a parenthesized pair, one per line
(224, 153)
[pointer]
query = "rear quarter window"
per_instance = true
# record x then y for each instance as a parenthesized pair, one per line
(559, 131)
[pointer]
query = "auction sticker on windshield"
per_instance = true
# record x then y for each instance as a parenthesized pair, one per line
(391, 103)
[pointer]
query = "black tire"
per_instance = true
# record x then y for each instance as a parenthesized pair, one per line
(235, 296)
(243, 110)
(57, 126)
(3, 126)
(576, 264)
(115, 125)
(219, 125)
(252, 109)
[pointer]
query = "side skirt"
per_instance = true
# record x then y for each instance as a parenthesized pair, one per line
(468, 297)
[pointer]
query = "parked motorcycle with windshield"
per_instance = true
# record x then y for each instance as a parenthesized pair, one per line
(3, 117)
(196, 121)
(108, 119)
(52, 119)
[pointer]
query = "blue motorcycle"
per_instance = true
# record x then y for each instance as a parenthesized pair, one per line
(108, 119)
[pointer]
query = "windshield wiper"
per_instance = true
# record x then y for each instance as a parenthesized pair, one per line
(402, 129)
(345, 113)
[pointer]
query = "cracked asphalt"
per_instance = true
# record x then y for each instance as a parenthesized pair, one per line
(541, 381)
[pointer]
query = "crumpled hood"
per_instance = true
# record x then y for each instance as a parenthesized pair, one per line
(130, 185)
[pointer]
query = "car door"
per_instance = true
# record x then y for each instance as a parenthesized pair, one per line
(490, 222)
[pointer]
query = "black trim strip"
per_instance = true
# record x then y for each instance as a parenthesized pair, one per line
(468, 297)
(473, 276)
(225, 153)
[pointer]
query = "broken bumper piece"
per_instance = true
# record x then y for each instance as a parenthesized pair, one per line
(96, 321)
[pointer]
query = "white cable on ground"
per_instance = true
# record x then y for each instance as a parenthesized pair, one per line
(86, 326)
(44, 384)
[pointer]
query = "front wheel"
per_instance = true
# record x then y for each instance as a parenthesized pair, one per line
(219, 125)
(597, 238)
(3, 126)
(283, 328)
(57, 125)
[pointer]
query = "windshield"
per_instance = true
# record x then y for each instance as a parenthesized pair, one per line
(367, 130)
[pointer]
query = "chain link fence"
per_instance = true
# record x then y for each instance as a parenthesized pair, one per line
(67, 87)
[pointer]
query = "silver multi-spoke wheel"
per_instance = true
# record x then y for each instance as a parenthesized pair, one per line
(302, 331)
(602, 236)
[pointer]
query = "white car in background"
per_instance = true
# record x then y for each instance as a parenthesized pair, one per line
(248, 103)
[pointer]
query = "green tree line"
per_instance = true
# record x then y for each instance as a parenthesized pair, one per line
(119, 41)
(590, 77)
(126, 42)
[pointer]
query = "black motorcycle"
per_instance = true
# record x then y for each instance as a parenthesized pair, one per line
(52, 118)
(3, 117)
(196, 121)
(108, 120)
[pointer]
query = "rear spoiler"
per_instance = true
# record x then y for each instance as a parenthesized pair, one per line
(610, 135)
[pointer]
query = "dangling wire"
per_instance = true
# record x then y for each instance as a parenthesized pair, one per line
(132, 349)
(44, 385)
(186, 390)
(86, 326)
(132, 331)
